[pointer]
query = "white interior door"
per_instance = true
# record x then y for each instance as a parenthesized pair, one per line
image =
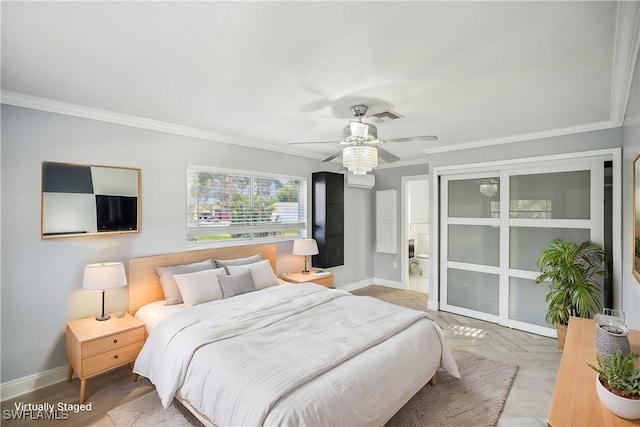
(494, 225)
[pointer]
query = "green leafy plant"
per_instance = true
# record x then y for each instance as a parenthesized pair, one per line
(620, 373)
(571, 270)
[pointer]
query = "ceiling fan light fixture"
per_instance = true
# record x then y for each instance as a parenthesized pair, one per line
(359, 159)
(358, 129)
(359, 133)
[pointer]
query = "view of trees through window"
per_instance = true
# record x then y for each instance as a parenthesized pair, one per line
(525, 209)
(225, 205)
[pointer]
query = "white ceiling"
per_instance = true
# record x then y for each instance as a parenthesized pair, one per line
(266, 74)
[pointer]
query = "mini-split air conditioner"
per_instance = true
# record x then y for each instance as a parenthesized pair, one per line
(360, 181)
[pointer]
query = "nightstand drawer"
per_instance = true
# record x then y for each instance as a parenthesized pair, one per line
(111, 359)
(324, 281)
(112, 342)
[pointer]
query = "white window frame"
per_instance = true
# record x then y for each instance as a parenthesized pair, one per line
(301, 226)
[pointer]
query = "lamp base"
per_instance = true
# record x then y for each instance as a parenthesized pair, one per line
(306, 265)
(103, 316)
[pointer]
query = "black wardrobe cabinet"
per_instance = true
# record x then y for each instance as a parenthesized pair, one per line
(327, 217)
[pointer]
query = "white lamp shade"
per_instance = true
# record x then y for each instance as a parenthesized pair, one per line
(105, 275)
(305, 247)
(360, 130)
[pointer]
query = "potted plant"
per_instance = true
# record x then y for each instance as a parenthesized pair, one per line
(571, 270)
(618, 384)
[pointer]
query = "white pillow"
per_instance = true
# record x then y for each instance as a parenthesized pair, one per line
(261, 272)
(199, 287)
(238, 261)
(170, 287)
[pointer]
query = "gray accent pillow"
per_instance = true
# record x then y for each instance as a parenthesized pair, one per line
(236, 284)
(238, 261)
(170, 288)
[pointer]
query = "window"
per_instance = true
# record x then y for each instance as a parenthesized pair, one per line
(225, 205)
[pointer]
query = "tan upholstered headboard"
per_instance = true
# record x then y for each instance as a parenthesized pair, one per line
(144, 284)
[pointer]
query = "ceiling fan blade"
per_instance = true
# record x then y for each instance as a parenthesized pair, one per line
(333, 156)
(315, 106)
(387, 156)
(414, 138)
(313, 142)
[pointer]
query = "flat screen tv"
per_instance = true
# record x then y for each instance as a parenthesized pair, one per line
(117, 213)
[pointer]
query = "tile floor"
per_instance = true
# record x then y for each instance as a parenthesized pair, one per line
(537, 357)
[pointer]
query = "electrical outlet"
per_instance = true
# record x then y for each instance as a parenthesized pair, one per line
(395, 265)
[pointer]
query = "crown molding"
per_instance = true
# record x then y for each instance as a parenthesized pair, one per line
(49, 105)
(625, 55)
(607, 124)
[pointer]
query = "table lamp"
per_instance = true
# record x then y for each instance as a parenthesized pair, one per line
(105, 275)
(305, 247)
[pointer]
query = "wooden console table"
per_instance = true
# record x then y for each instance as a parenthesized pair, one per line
(575, 402)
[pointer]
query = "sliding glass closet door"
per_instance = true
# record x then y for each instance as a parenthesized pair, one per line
(495, 224)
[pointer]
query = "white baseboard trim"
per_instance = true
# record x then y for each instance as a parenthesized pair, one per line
(388, 283)
(372, 281)
(20, 386)
(357, 285)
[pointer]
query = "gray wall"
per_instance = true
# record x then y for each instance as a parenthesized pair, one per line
(391, 179)
(41, 281)
(631, 149)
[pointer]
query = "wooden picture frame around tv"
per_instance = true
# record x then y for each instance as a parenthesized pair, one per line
(89, 200)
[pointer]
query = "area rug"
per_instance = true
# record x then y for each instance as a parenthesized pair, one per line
(475, 399)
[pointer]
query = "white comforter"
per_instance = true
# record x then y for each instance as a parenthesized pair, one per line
(236, 359)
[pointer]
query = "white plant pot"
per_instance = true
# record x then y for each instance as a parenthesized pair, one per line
(621, 406)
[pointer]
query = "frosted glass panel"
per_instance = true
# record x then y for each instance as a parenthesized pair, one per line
(527, 243)
(526, 301)
(466, 200)
(475, 244)
(561, 195)
(472, 290)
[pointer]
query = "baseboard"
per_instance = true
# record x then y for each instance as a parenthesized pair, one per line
(372, 281)
(388, 283)
(20, 386)
(357, 285)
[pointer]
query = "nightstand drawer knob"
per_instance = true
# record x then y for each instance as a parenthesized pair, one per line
(115, 341)
(115, 357)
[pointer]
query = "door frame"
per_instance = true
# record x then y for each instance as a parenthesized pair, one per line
(404, 224)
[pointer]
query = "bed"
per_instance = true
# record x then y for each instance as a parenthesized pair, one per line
(286, 354)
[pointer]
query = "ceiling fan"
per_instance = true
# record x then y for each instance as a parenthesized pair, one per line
(363, 146)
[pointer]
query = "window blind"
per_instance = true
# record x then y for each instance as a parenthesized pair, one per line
(236, 205)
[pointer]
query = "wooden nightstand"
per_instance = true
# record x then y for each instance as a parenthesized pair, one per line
(325, 279)
(94, 347)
